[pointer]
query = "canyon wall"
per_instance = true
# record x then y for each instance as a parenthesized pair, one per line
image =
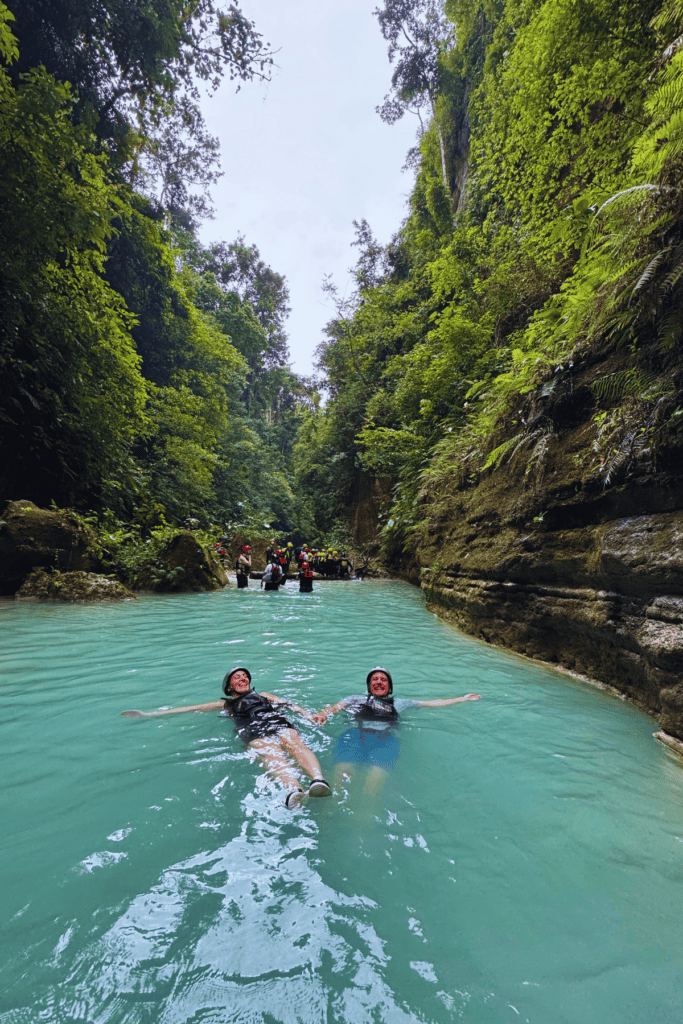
(560, 564)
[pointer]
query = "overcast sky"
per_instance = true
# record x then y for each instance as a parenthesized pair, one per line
(306, 154)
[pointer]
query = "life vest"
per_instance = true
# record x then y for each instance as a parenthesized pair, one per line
(253, 706)
(241, 568)
(308, 574)
(248, 704)
(377, 707)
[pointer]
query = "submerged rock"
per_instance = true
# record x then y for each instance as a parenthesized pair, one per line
(32, 536)
(183, 565)
(42, 585)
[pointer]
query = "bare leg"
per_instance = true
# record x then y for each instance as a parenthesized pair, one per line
(342, 773)
(375, 781)
(305, 758)
(275, 761)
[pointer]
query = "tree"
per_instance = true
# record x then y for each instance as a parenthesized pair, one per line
(128, 58)
(418, 33)
(238, 267)
(135, 67)
(70, 380)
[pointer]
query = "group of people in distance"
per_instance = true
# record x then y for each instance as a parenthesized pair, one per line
(370, 742)
(279, 562)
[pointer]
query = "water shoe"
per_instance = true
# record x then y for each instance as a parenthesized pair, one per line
(294, 798)
(319, 788)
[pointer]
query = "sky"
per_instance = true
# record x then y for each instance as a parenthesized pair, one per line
(306, 154)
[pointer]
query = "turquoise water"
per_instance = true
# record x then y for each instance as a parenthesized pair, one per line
(524, 861)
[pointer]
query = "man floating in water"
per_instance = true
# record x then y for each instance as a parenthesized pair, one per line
(373, 742)
(265, 730)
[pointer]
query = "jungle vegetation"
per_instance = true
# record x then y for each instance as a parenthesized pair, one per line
(144, 374)
(546, 221)
(141, 374)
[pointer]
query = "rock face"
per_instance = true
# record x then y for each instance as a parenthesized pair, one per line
(71, 586)
(371, 495)
(31, 537)
(566, 569)
(259, 546)
(184, 565)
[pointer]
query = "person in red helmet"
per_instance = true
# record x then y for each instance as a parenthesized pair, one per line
(306, 579)
(243, 566)
(373, 741)
(264, 728)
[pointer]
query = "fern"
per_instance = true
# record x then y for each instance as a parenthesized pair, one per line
(538, 455)
(506, 448)
(649, 272)
(624, 436)
(625, 383)
(627, 451)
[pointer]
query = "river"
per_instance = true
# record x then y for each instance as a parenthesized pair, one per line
(523, 862)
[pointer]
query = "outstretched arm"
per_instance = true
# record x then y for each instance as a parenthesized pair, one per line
(332, 709)
(451, 700)
(295, 707)
(215, 705)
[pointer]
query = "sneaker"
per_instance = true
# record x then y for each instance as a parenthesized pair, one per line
(319, 788)
(294, 798)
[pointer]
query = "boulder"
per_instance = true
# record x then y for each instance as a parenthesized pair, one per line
(32, 536)
(41, 585)
(183, 565)
(259, 546)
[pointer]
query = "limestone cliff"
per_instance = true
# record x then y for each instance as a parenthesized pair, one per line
(559, 562)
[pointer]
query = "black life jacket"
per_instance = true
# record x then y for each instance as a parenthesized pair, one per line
(241, 568)
(249, 705)
(276, 573)
(377, 707)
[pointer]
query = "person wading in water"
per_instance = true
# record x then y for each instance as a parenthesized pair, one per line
(266, 730)
(243, 566)
(306, 579)
(373, 742)
(272, 578)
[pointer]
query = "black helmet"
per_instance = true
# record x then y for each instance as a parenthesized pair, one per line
(226, 681)
(378, 668)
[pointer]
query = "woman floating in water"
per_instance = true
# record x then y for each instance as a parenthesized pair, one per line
(265, 730)
(373, 743)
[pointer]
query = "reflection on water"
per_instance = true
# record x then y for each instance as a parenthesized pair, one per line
(523, 860)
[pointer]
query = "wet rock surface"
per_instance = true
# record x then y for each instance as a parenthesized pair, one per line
(31, 537)
(183, 565)
(568, 570)
(259, 546)
(42, 585)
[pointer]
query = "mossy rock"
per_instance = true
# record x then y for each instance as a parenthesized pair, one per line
(42, 585)
(32, 536)
(259, 546)
(183, 566)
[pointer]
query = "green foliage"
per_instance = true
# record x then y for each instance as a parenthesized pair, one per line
(72, 391)
(9, 51)
(570, 236)
(136, 66)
